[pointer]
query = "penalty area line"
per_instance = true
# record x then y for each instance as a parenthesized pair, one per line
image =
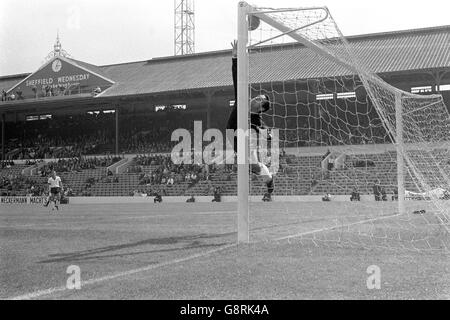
(46, 292)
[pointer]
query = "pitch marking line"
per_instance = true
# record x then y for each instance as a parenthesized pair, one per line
(45, 292)
(30, 225)
(121, 219)
(335, 227)
(215, 212)
(114, 276)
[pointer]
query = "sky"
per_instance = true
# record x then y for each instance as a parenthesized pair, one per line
(105, 32)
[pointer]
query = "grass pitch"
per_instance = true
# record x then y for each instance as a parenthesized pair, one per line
(189, 251)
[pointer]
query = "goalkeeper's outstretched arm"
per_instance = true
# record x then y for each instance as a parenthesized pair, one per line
(234, 68)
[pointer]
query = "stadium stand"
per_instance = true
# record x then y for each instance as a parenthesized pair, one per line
(297, 175)
(138, 105)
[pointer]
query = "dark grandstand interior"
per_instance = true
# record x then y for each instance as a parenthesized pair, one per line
(112, 136)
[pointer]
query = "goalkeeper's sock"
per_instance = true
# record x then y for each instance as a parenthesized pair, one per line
(270, 186)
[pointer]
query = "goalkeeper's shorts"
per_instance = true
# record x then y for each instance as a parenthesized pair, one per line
(260, 169)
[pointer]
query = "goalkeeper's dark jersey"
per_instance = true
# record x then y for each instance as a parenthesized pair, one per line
(256, 121)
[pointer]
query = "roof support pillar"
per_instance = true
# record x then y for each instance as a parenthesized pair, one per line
(117, 130)
(438, 76)
(3, 136)
(209, 97)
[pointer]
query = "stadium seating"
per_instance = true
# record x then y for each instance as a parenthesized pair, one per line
(13, 170)
(297, 175)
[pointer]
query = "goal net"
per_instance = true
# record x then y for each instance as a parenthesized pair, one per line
(344, 134)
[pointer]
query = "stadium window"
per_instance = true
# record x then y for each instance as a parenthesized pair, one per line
(32, 118)
(444, 87)
(324, 96)
(232, 103)
(160, 108)
(179, 106)
(423, 89)
(38, 117)
(346, 95)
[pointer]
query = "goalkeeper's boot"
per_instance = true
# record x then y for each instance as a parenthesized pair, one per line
(270, 186)
(267, 197)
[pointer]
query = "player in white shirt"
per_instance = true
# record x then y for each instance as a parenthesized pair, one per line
(55, 189)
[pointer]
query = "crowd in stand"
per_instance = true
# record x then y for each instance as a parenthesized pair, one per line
(6, 164)
(88, 134)
(20, 185)
(157, 173)
(304, 136)
(43, 147)
(12, 185)
(17, 95)
(46, 91)
(149, 142)
(77, 164)
(65, 137)
(167, 173)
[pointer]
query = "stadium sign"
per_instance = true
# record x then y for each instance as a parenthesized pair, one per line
(60, 76)
(22, 200)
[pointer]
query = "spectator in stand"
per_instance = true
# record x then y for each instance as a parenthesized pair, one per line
(383, 194)
(48, 91)
(314, 181)
(96, 91)
(395, 194)
(7, 164)
(355, 195)
(34, 89)
(331, 163)
(377, 190)
(217, 194)
(158, 197)
(19, 94)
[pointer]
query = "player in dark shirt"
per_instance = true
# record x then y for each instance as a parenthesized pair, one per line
(258, 105)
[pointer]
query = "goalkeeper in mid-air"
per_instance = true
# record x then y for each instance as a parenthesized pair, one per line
(258, 105)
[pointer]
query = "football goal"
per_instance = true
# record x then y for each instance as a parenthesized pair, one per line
(343, 133)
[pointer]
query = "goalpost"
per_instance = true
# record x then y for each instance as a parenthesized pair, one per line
(316, 110)
(243, 115)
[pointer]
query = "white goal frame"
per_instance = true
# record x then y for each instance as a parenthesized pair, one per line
(243, 94)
